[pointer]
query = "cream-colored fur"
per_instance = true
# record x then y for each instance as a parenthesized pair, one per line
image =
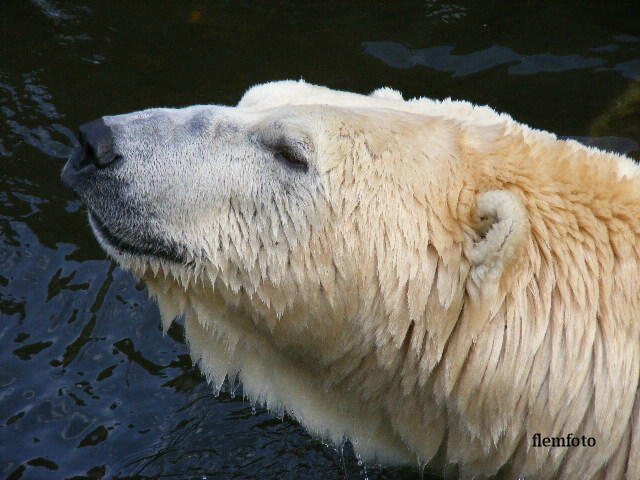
(459, 283)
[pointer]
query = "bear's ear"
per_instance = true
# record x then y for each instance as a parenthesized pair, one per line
(502, 227)
(386, 92)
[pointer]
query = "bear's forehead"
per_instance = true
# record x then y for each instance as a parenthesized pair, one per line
(291, 92)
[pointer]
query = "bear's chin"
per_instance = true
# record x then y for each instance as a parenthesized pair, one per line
(147, 247)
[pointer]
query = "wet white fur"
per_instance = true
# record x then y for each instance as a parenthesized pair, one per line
(445, 279)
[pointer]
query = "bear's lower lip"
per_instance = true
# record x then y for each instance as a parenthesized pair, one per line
(149, 248)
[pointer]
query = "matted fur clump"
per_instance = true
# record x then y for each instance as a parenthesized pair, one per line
(431, 280)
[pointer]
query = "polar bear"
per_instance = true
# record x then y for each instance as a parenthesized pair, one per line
(430, 279)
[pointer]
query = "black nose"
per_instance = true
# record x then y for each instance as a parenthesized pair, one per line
(96, 151)
(96, 141)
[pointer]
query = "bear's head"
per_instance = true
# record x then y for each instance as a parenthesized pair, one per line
(310, 210)
(314, 241)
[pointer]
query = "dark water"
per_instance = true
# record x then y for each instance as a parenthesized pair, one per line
(89, 386)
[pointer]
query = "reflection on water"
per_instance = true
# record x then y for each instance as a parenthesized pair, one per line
(441, 58)
(89, 387)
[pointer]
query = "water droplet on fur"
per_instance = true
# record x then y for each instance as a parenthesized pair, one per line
(362, 465)
(364, 471)
(422, 465)
(217, 388)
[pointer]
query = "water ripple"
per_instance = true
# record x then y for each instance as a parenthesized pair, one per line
(31, 118)
(442, 59)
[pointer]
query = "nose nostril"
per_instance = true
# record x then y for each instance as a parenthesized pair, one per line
(89, 153)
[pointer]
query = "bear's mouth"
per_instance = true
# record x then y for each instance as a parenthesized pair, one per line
(144, 246)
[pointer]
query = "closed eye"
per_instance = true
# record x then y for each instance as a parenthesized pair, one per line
(291, 158)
